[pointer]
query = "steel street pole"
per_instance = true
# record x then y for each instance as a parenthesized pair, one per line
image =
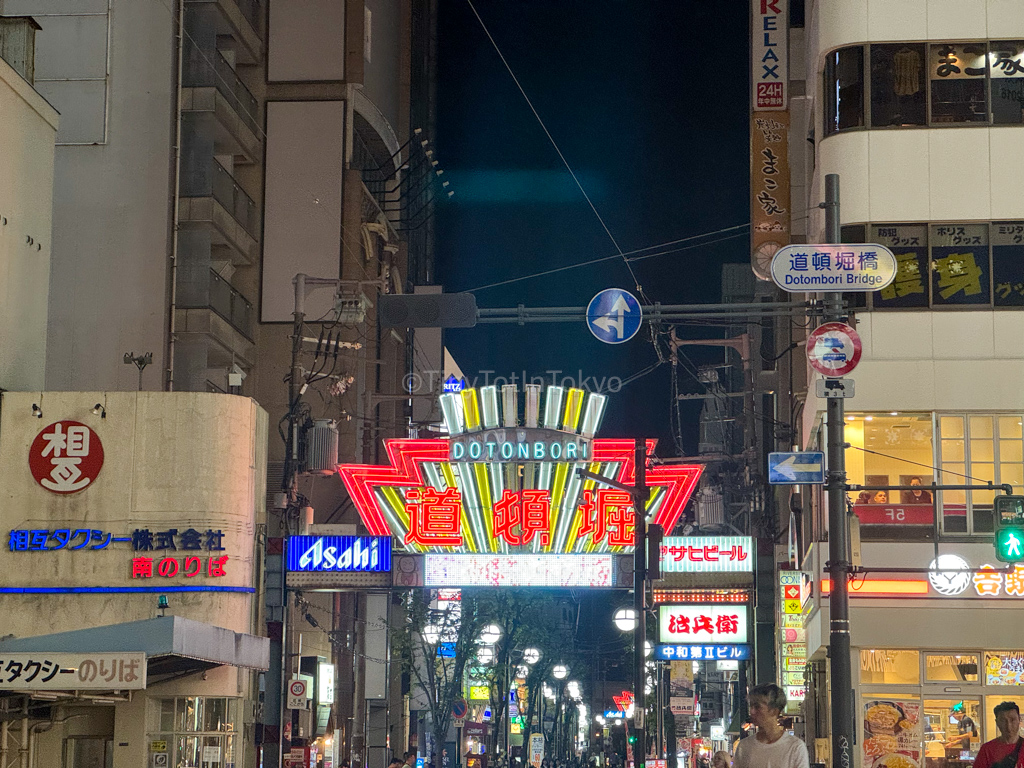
(838, 530)
(641, 493)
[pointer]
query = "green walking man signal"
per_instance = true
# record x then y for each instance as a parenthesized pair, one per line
(1009, 537)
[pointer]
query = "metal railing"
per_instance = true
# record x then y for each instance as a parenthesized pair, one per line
(227, 302)
(209, 69)
(251, 10)
(241, 207)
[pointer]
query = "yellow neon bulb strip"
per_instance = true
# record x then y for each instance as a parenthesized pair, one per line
(573, 409)
(471, 502)
(393, 505)
(570, 502)
(483, 482)
(471, 410)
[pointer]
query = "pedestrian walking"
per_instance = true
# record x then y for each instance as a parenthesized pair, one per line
(1004, 751)
(770, 746)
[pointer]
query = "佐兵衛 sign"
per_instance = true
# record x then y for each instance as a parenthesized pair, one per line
(65, 457)
(703, 624)
(515, 497)
(707, 554)
(313, 554)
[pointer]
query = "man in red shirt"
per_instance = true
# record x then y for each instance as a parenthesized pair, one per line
(1004, 751)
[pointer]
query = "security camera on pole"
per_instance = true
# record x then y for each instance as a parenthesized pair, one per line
(833, 350)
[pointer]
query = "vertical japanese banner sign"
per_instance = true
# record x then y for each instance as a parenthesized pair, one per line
(893, 733)
(680, 691)
(769, 188)
(769, 132)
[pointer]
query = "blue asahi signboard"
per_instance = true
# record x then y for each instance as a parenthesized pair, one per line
(313, 554)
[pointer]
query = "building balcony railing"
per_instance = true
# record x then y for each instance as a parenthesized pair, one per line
(239, 19)
(241, 207)
(209, 69)
(231, 305)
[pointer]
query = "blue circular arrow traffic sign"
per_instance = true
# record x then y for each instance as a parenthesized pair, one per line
(614, 316)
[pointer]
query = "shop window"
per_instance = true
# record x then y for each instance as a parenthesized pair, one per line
(891, 449)
(958, 72)
(951, 668)
(960, 269)
(889, 667)
(952, 732)
(898, 85)
(199, 732)
(909, 243)
(1006, 62)
(893, 732)
(844, 89)
(983, 447)
(1004, 668)
(991, 729)
(1008, 262)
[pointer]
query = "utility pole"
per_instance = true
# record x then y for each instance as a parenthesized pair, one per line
(838, 529)
(641, 493)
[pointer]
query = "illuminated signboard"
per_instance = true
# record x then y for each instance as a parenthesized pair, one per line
(339, 553)
(479, 693)
(436, 496)
(714, 652)
(519, 570)
(707, 554)
(704, 624)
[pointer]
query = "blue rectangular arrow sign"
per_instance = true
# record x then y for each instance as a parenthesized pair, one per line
(796, 468)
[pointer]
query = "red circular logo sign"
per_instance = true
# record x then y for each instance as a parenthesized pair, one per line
(65, 457)
(833, 349)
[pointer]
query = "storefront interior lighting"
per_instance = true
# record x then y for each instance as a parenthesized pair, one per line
(881, 587)
(736, 596)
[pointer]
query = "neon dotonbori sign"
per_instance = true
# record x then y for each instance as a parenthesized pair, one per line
(504, 484)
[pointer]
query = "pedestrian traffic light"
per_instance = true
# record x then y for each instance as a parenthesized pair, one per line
(1009, 536)
(632, 738)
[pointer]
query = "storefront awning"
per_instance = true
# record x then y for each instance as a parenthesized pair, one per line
(173, 645)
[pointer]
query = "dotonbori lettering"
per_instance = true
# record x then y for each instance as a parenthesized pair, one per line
(357, 556)
(492, 448)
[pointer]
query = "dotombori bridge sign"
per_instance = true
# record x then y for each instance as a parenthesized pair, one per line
(500, 498)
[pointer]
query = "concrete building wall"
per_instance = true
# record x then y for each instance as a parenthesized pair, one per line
(171, 461)
(109, 67)
(28, 125)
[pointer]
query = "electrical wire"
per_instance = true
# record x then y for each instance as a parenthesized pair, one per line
(919, 464)
(600, 259)
(554, 144)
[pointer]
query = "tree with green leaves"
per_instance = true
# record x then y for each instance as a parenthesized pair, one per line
(434, 644)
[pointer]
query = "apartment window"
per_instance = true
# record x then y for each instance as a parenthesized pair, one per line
(978, 448)
(844, 89)
(898, 85)
(1006, 62)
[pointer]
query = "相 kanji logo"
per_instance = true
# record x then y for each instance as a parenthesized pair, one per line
(65, 457)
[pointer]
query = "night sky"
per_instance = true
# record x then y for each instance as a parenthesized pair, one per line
(648, 101)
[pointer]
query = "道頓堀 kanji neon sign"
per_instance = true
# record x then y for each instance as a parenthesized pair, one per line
(430, 502)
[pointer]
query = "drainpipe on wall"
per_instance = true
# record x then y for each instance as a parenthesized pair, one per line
(175, 200)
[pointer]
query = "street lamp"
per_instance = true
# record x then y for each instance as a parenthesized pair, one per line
(485, 654)
(531, 655)
(573, 689)
(625, 619)
(560, 671)
(648, 648)
(489, 635)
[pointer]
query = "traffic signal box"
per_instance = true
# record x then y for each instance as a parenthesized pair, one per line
(1009, 536)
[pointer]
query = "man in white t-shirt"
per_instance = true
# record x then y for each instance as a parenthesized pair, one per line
(770, 746)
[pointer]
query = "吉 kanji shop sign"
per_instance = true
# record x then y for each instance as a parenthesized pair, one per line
(703, 624)
(432, 499)
(65, 457)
